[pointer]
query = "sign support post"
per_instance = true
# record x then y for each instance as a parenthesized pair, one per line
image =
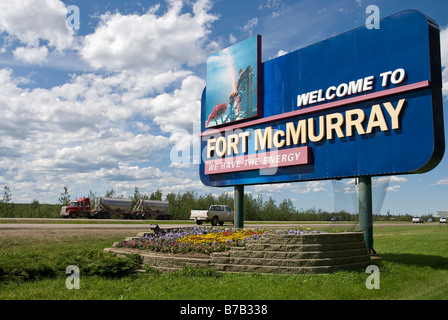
(239, 206)
(365, 210)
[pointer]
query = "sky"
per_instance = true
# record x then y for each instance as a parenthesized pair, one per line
(107, 101)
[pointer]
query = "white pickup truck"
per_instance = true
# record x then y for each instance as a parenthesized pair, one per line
(215, 214)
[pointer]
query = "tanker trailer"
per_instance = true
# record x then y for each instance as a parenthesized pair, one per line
(106, 207)
(155, 209)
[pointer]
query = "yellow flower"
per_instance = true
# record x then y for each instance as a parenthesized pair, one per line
(223, 236)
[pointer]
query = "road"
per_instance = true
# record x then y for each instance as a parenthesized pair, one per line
(41, 224)
(40, 229)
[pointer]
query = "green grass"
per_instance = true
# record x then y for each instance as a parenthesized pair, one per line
(415, 266)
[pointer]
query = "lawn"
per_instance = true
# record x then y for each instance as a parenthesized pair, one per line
(414, 266)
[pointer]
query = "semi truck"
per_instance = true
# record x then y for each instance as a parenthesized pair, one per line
(106, 208)
(156, 209)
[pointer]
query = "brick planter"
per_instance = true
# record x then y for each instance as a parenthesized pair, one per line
(290, 254)
(307, 253)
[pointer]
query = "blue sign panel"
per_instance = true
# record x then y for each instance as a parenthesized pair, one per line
(366, 102)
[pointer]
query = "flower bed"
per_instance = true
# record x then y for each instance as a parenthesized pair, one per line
(201, 239)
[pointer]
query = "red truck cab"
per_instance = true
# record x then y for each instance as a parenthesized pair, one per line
(78, 208)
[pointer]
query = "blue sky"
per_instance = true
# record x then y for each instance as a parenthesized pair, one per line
(110, 104)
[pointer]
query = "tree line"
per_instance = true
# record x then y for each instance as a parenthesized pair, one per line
(256, 208)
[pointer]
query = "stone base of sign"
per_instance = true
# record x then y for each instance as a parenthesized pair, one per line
(286, 254)
(307, 253)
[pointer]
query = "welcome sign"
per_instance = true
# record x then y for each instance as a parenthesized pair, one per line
(366, 102)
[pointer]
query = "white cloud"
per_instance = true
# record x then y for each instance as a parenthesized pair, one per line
(33, 22)
(303, 187)
(180, 109)
(80, 127)
(101, 128)
(31, 55)
(232, 39)
(350, 190)
(443, 181)
(397, 179)
(387, 180)
(181, 185)
(250, 25)
(126, 173)
(276, 6)
(96, 128)
(350, 186)
(281, 53)
(107, 148)
(315, 186)
(157, 43)
(393, 188)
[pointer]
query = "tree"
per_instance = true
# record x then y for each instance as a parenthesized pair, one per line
(6, 206)
(136, 197)
(92, 197)
(269, 210)
(64, 199)
(156, 195)
(6, 195)
(110, 193)
(35, 208)
(286, 210)
(186, 203)
(204, 202)
(173, 204)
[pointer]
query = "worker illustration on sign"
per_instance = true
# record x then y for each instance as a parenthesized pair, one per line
(240, 104)
(232, 80)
